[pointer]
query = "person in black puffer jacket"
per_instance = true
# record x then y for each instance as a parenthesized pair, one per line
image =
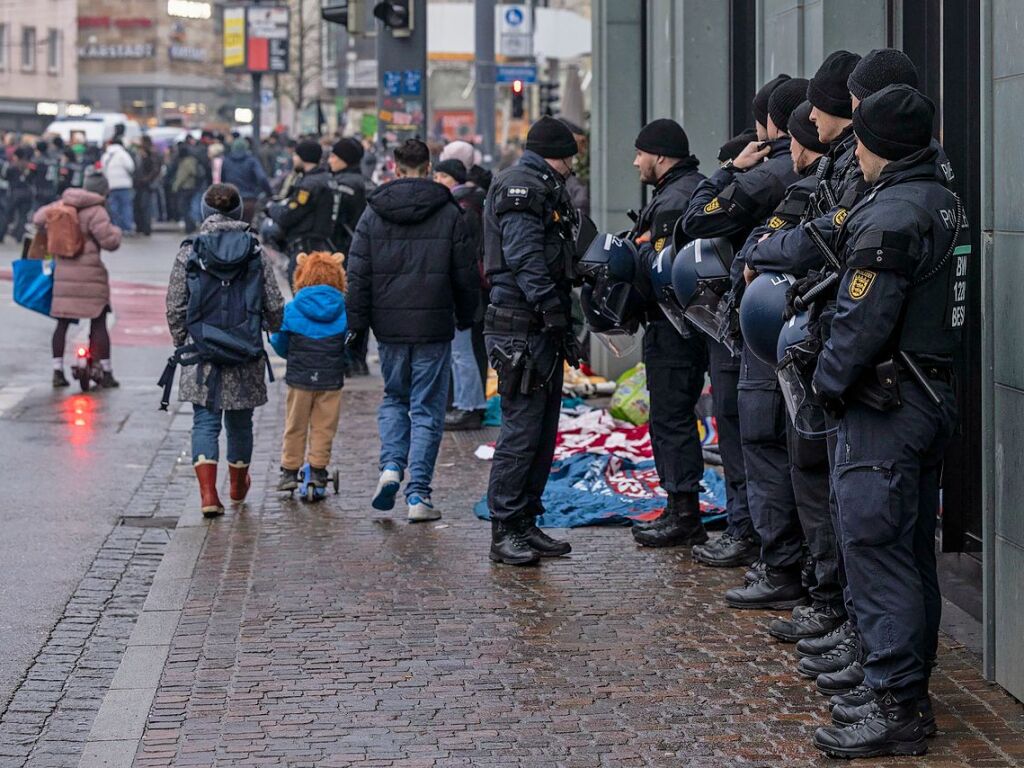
(412, 279)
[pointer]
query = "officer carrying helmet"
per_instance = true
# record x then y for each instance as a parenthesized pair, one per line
(886, 373)
(530, 229)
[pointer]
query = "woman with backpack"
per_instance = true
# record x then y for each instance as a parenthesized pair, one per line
(77, 228)
(225, 267)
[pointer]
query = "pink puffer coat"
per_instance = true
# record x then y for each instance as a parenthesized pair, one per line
(81, 286)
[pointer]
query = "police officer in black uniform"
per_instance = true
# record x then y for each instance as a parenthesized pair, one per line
(348, 190)
(738, 545)
(808, 458)
(305, 217)
(886, 373)
(530, 229)
(675, 365)
(731, 203)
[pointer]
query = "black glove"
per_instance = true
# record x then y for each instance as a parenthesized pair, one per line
(833, 406)
(798, 289)
(571, 350)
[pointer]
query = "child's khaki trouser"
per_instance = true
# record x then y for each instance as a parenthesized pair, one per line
(314, 414)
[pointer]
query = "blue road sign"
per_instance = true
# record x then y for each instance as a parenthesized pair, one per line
(514, 17)
(507, 73)
(392, 83)
(412, 82)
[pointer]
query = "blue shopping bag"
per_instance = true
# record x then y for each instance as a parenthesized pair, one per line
(33, 284)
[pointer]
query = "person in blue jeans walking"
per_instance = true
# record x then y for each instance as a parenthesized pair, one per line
(412, 279)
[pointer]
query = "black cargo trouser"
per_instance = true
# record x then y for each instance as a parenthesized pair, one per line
(725, 374)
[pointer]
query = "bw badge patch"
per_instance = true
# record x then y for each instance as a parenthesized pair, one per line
(303, 197)
(659, 244)
(776, 223)
(713, 207)
(840, 217)
(861, 282)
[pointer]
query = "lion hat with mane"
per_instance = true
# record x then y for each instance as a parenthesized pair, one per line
(320, 268)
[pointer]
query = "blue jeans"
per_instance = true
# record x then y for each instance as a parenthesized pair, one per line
(469, 390)
(411, 417)
(121, 203)
(196, 205)
(206, 424)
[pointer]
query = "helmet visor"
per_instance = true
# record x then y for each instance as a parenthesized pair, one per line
(618, 344)
(711, 315)
(674, 313)
(802, 404)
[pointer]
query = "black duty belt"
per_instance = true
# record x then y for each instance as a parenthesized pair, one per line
(509, 320)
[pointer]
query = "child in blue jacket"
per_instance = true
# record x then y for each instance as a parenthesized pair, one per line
(312, 339)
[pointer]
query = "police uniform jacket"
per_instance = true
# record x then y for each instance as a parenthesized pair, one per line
(529, 237)
(305, 217)
(732, 202)
(348, 201)
(905, 279)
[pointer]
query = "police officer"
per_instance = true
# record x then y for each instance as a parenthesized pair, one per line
(886, 373)
(348, 190)
(305, 216)
(529, 249)
(675, 365)
(738, 545)
(808, 458)
(731, 203)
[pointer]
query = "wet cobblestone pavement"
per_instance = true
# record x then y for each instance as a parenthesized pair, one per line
(334, 635)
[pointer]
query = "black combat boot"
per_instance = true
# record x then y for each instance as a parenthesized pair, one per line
(728, 552)
(667, 514)
(544, 545)
(509, 545)
(843, 714)
(755, 572)
(816, 646)
(892, 728)
(778, 589)
(818, 621)
(843, 681)
(859, 694)
(840, 657)
(683, 528)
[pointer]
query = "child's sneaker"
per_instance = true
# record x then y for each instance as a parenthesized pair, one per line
(318, 477)
(422, 511)
(387, 488)
(289, 480)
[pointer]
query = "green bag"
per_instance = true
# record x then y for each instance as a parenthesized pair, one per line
(631, 401)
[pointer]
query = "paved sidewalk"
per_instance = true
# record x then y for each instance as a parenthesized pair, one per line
(333, 635)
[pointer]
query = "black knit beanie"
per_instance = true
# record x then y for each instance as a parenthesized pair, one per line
(309, 151)
(895, 122)
(881, 67)
(453, 168)
(828, 90)
(784, 99)
(760, 104)
(735, 145)
(663, 137)
(804, 131)
(349, 150)
(551, 139)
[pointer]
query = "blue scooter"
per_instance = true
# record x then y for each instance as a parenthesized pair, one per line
(311, 490)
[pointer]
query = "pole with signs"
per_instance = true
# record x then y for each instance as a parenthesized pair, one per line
(256, 41)
(402, 68)
(485, 73)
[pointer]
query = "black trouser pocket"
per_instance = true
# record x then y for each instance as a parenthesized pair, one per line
(869, 502)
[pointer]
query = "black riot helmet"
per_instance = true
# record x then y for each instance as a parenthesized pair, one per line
(700, 278)
(620, 340)
(611, 267)
(797, 350)
(663, 291)
(761, 313)
(585, 236)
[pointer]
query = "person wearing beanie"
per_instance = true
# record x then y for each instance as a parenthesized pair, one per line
(901, 306)
(306, 217)
(223, 397)
(760, 105)
(733, 146)
(828, 91)
(735, 200)
(529, 238)
(809, 464)
(664, 162)
(784, 99)
(348, 188)
(450, 173)
(462, 151)
(879, 68)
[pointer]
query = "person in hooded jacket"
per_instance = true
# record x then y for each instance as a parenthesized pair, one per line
(242, 168)
(413, 280)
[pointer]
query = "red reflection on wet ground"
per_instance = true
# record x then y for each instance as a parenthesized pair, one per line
(80, 413)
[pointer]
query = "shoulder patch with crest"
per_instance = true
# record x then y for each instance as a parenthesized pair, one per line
(659, 244)
(840, 217)
(713, 207)
(517, 192)
(302, 197)
(775, 222)
(861, 282)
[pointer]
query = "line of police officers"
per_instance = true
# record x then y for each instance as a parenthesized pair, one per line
(819, 275)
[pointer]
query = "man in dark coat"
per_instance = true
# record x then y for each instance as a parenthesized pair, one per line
(412, 280)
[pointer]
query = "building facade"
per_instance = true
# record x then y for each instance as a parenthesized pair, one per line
(700, 64)
(38, 65)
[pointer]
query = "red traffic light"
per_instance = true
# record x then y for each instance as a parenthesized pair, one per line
(517, 86)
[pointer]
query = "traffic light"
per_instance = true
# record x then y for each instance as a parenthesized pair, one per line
(517, 98)
(396, 16)
(549, 98)
(350, 13)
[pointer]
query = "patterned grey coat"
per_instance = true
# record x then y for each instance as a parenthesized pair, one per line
(242, 386)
